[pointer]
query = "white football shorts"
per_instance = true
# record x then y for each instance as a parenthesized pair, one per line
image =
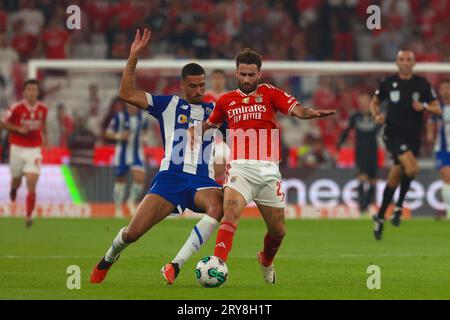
(256, 180)
(24, 160)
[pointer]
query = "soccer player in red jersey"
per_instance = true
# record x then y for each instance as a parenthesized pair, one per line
(255, 153)
(25, 121)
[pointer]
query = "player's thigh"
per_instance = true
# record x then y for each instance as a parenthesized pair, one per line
(270, 194)
(409, 163)
(274, 219)
(121, 179)
(445, 174)
(138, 174)
(233, 204)
(33, 161)
(152, 209)
(16, 162)
(210, 201)
(395, 175)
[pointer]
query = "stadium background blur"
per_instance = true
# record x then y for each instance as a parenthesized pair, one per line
(81, 106)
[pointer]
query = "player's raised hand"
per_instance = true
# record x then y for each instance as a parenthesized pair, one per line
(140, 42)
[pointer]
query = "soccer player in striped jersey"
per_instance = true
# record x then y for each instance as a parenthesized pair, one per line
(185, 179)
(442, 144)
(127, 128)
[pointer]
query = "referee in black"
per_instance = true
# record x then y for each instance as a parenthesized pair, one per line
(366, 150)
(407, 97)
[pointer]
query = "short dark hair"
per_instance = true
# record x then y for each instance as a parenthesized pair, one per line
(445, 80)
(192, 69)
(248, 56)
(30, 81)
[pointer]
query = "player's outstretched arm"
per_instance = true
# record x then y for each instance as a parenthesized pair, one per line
(309, 113)
(127, 92)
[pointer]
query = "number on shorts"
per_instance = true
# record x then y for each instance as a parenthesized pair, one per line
(279, 192)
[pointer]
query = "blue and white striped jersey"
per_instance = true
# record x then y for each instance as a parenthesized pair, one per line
(128, 152)
(175, 116)
(443, 136)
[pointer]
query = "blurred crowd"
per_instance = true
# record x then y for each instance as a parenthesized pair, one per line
(300, 30)
(279, 29)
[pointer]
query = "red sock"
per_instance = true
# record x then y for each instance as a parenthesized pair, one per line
(224, 240)
(271, 246)
(31, 201)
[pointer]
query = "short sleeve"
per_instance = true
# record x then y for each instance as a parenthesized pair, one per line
(217, 116)
(157, 104)
(381, 92)
(428, 93)
(283, 101)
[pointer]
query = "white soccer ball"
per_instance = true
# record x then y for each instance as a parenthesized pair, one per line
(211, 272)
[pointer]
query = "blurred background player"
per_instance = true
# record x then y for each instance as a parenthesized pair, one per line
(407, 96)
(365, 149)
(218, 82)
(25, 121)
(184, 180)
(254, 173)
(442, 144)
(218, 85)
(127, 128)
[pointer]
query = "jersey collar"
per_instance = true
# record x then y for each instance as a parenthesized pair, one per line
(30, 107)
(247, 94)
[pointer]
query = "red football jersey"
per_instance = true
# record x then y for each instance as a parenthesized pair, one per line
(210, 97)
(23, 115)
(251, 121)
(54, 42)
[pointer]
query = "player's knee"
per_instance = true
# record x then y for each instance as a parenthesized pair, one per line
(130, 235)
(412, 172)
(278, 233)
(215, 211)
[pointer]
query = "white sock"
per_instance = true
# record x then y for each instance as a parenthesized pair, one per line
(118, 195)
(135, 191)
(446, 197)
(117, 247)
(199, 235)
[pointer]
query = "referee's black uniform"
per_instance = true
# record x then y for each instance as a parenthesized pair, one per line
(403, 124)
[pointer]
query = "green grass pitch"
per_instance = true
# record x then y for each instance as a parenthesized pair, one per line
(319, 259)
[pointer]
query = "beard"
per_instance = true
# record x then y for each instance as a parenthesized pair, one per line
(248, 87)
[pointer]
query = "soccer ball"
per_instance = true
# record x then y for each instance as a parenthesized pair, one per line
(211, 272)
